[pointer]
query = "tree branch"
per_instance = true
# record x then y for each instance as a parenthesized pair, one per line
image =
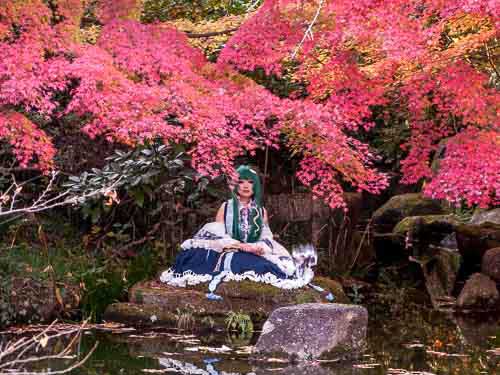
(191, 34)
(308, 30)
(44, 201)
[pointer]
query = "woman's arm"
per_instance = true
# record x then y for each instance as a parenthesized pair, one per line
(266, 218)
(220, 214)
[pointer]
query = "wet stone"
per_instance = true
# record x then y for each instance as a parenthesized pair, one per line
(479, 293)
(155, 303)
(312, 330)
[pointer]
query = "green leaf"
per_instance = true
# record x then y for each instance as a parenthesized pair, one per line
(139, 198)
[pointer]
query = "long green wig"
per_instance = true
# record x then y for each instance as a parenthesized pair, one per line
(256, 213)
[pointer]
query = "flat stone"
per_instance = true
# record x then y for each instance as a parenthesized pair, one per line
(257, 300)
(312, 330)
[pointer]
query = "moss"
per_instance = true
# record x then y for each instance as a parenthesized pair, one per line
(304, 297)
(139, 314)
(401, 206)
(408, 222)
(333, 286)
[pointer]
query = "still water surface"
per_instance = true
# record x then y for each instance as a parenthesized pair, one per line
(401, 340)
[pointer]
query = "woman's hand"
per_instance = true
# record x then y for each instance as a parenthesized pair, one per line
(251, 248)
(247, 247)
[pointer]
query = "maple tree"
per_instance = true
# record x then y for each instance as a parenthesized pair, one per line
(429, 59)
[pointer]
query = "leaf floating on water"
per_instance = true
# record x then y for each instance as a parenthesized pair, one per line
(366, 365)
(222, 349)
(495, 351)
(277, 360)
(400, 371)
(413, 345)
(444, 354)
(189, 341)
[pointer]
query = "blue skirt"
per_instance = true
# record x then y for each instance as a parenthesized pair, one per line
(204, 262)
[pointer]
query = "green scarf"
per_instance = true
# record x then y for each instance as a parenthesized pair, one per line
(256, 212)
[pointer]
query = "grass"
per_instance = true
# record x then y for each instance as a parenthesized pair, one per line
(50, 251)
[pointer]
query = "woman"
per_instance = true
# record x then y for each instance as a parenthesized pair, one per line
(238, 245)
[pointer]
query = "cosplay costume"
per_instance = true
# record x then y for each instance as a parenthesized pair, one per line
(208, 256)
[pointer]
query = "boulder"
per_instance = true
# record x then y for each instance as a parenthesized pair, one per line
(155, 303)
(473, 240)
(475, 328)
(490, 265)
(400, 206)
(479, 293)
(313, 330)
(440, 269)
(439, 225)
(488, 216)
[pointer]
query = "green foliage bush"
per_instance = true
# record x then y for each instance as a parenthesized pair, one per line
(197, 10)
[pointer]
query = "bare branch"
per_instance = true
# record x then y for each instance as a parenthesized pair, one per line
(191, 34)
(308, 32)
(19, 348)
(45, 201)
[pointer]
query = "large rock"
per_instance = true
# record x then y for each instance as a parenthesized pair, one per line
(440, 269)
(474, 240)
(401, 206)
(490, 265)
(429, 224)
(314, 330)
(479, 293)
(156, 303)
(489, 216)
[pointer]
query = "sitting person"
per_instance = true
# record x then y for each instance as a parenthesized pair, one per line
(238, 245)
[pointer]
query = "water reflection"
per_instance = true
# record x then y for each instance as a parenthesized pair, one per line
(406, 341)
(210, 367)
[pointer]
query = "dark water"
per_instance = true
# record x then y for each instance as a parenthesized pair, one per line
(402, 339)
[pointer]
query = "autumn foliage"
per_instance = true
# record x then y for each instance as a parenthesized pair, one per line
(431, 61)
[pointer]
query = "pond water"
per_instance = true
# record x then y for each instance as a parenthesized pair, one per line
(402, 339)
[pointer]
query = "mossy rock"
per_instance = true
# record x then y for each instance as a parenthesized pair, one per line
(474, 240)
(139, 315)
(440, 222)
(404, 205)
(257, 300)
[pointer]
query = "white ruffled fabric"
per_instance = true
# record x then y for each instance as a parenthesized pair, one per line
(190, 278)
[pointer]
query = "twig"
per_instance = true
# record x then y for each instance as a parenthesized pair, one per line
(20, 347)
(361, 242)
(66, 370)
(490, 60)
(62, 199)
(148, 236)
(308, 30)
(191, 34)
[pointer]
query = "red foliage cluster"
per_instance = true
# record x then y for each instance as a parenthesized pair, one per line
(144, 81)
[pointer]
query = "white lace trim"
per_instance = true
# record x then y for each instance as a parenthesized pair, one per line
(191, 278)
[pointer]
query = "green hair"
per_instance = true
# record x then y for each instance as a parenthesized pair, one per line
(256, 214)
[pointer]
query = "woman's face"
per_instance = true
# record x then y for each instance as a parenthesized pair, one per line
(245, 188)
